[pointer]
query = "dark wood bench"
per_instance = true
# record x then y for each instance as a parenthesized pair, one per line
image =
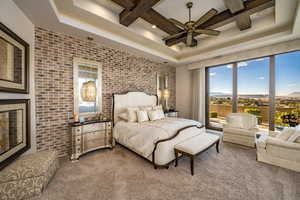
(196, 145)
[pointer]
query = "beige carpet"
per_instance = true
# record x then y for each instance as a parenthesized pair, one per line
(119, 174)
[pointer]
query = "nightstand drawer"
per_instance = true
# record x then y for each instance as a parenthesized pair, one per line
(94, 135)
(91, 144)
(93, 127)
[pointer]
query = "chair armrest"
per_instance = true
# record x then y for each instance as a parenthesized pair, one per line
(281, 143)
(273, 133)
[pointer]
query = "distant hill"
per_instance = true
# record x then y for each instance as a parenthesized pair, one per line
(294, 94)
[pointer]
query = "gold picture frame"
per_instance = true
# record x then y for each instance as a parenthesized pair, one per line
(14, 62)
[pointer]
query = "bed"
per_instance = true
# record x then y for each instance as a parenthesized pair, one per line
(153, 140)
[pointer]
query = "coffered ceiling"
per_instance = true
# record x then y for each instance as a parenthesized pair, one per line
(100, 20)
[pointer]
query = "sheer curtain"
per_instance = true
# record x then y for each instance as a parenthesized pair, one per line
(198, 100)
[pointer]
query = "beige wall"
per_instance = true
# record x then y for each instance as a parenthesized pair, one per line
(184, 79)
(183, 92)
(12, 17)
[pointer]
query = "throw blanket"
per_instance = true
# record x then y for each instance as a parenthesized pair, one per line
(141, 137)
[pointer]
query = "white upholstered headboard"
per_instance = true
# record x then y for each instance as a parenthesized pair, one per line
(131, 99)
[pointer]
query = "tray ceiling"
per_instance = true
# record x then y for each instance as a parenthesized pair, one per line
(100, 19)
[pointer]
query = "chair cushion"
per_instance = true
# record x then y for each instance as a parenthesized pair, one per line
(197, 144)
(239, 131)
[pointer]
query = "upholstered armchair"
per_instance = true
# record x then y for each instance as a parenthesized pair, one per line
(240, 128)
(276, 151)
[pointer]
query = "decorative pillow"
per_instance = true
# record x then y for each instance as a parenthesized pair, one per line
(131, 112)
(156, 115)
(235, 121)
(286, 133)
(142, 116)
(145, 108)
(159, 107)
(123, 116)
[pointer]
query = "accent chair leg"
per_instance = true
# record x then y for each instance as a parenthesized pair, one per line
(192, 165)
(217, 146)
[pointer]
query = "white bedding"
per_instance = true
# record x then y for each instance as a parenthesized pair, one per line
(141, 137)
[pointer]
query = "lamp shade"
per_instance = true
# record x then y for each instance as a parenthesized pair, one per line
(166, 93)
(88, 91)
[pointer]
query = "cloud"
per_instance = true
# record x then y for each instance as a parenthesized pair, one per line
(261, 78)
(212, 73)
(229, 66)
(292, 85)
(260, 59)
(242, 64)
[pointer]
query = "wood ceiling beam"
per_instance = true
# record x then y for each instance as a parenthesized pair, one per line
(226, 17)
(243, 21)
(128, 16)
(234, 5)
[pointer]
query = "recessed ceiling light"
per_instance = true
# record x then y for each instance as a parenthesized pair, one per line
(153, 26)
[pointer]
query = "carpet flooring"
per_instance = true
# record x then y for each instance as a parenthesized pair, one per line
(118, 174)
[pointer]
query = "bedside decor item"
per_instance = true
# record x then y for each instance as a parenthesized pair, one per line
(87, 87)
(14, 62)
(89, 136)
(171, 113)
(14, 129)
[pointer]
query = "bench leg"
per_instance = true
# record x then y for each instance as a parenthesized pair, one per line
(217, 146)
(176, 158)
(192, 165)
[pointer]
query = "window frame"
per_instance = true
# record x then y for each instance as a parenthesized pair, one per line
(272, 88)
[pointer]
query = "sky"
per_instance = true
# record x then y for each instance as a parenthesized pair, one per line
(253, 76)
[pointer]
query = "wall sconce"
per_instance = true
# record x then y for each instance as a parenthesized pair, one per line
(88, 91)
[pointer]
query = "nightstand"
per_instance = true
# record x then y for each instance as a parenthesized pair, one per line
(171, 113)
(90, 136)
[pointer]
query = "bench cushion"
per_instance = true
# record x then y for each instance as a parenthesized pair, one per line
(28, 175)
(197, 144)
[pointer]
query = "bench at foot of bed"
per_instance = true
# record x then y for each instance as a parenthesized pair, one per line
(196, 145)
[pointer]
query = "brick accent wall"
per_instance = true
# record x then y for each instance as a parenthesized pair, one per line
(54, 53)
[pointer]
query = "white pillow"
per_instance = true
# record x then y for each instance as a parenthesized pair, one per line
(142, 116)
(123, 116)
(146, 108)
(131, 112)
(235, 121)
(159, 107)
(286, 133)
(156, 115)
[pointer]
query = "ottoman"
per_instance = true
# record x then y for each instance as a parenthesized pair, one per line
(28, 176)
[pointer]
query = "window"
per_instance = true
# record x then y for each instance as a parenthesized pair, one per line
(220, 94)
(253, 89)
(267, 87)
(287, 81)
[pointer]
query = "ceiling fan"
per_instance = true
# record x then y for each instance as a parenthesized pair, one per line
(191, 27)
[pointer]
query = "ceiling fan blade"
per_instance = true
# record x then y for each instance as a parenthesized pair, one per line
(189, 39)
(174, 36)
(177, 23)
(208, 32)
(205, 17)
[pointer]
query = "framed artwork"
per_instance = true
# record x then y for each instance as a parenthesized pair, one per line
(14, 129)
(14, 62)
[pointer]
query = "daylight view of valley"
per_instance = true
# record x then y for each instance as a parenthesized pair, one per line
(253, 85)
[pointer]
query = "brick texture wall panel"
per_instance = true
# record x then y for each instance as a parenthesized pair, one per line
(54, 53)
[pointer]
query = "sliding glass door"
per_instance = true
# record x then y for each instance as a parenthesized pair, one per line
(267, 87)
(220, 94)
(253, 89)
(287, 89)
